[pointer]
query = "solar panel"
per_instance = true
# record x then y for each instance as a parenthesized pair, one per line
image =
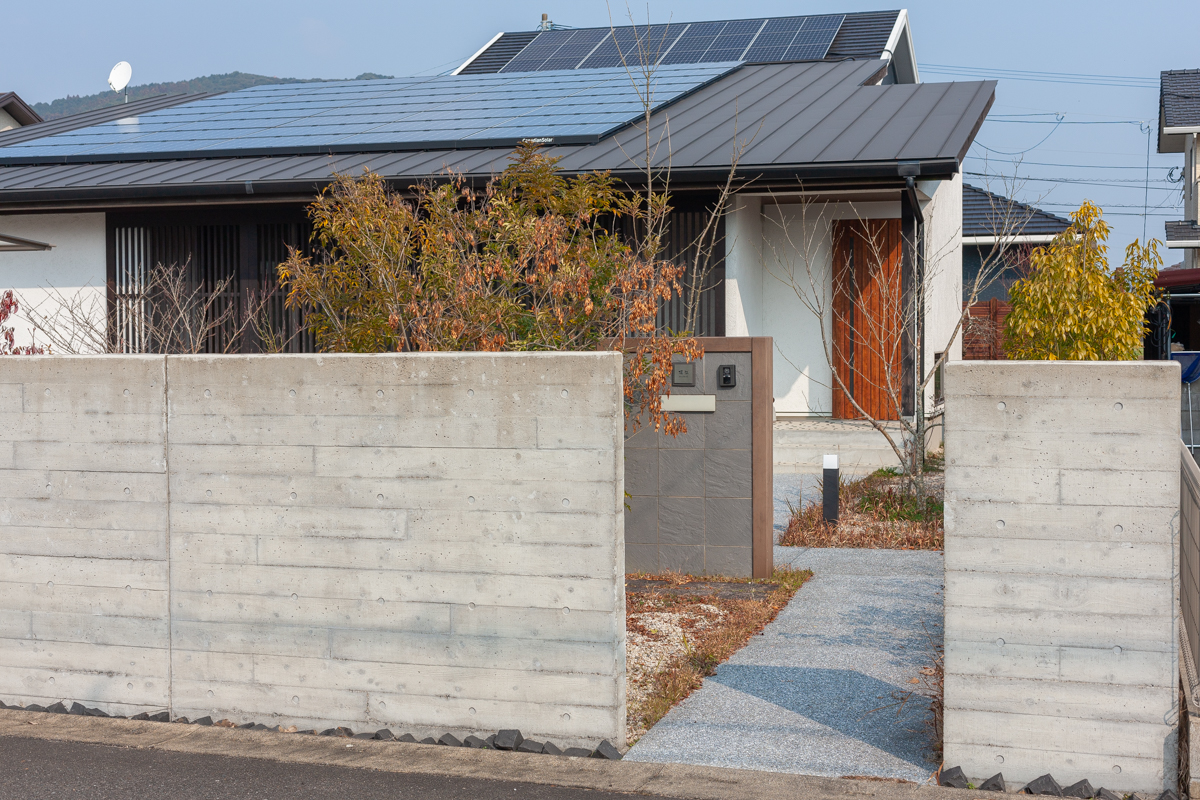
(693, 43)
(733, 40)
(633, 46)
(814, 39)
(773, 40)
(557, 50)
(776, 39)
(559, 107)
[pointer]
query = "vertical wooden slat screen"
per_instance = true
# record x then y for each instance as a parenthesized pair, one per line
(213, 253)
(273, 243)
(684, 228)
(868, 315)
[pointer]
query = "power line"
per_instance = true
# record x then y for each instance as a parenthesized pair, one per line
(1063, 122)
(1139, 167)
(1115, 183)
(1085, 79)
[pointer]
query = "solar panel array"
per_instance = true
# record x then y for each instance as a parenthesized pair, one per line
(779, 39)
(566, 107)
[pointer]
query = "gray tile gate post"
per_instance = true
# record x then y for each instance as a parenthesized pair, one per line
(700, 503)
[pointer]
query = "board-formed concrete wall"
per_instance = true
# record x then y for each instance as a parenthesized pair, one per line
(426, 542)
(1062, 500)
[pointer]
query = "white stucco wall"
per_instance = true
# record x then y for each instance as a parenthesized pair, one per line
(7, 123)
(75, 265)
(773, 245)
(782, 278)
(743, 268)
(943, 270)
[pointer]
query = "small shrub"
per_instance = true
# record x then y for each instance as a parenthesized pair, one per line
(873, 513)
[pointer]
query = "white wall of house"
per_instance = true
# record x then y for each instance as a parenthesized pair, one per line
(943, 270)
(75, 266)
(7, 122)
(780, 248)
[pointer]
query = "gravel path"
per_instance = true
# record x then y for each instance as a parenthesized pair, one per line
(806, 696)
(796, 489)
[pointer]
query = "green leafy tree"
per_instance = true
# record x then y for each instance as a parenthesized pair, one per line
(1072, 307)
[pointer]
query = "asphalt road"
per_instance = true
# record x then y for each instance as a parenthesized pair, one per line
(37, 768)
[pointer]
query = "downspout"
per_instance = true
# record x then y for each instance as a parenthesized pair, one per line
(909, 171)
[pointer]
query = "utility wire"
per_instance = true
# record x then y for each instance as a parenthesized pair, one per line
(1086, 79)
(1115, 183)
(1138, 167)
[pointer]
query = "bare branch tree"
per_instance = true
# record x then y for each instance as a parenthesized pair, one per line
(856, 292)
(170, 314)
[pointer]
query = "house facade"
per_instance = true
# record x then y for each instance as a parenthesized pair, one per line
(847, 206)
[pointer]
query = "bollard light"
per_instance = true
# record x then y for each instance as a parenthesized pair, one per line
(830, 488)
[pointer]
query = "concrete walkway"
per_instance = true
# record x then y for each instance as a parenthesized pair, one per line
(808, 696)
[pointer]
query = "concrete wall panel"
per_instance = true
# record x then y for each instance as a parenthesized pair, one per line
(428, 541)
(1062, 491)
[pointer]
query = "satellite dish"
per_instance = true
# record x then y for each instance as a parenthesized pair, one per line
(118, 79)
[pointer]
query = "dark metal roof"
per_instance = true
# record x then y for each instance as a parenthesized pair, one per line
(984, 212)
(1183, 234)
(807, 121)
(498, 53)
(860, 35)
(863, 35)
(12, 104)
(97, 116)
(1178, 106)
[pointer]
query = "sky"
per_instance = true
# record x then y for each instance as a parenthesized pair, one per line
(1064, 138)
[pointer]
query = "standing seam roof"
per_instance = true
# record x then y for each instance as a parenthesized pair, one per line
(814, 116)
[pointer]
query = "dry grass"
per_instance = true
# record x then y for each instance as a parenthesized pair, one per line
(674, 641)
(877, 512)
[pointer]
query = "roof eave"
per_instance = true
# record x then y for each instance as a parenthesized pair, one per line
(1024, 238)
(236, 191)
(12, 104)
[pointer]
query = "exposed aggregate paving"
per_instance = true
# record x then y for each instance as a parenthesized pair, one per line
(811, 695)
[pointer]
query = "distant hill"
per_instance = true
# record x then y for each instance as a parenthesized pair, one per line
(229, 82)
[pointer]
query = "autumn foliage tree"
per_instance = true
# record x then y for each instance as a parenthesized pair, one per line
(530, 262)
(1073, 307)
(8, 338)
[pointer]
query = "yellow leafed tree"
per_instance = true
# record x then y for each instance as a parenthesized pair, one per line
(1072, 307)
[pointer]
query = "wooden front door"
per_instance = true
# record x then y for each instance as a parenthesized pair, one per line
(868, 318)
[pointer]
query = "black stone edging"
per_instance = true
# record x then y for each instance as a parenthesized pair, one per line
(509, 739)
(1045, 785)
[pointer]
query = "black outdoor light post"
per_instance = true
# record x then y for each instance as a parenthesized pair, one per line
(830, 489)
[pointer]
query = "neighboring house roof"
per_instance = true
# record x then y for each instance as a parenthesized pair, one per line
(95, 117)
(987, 216)
(800, 38)
(1176, 277)
(1178, 108)
(1183, 234)
(798, 121)
(14, 107)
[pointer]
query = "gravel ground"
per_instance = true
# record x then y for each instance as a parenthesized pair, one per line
(653, 640)
(807, 696)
